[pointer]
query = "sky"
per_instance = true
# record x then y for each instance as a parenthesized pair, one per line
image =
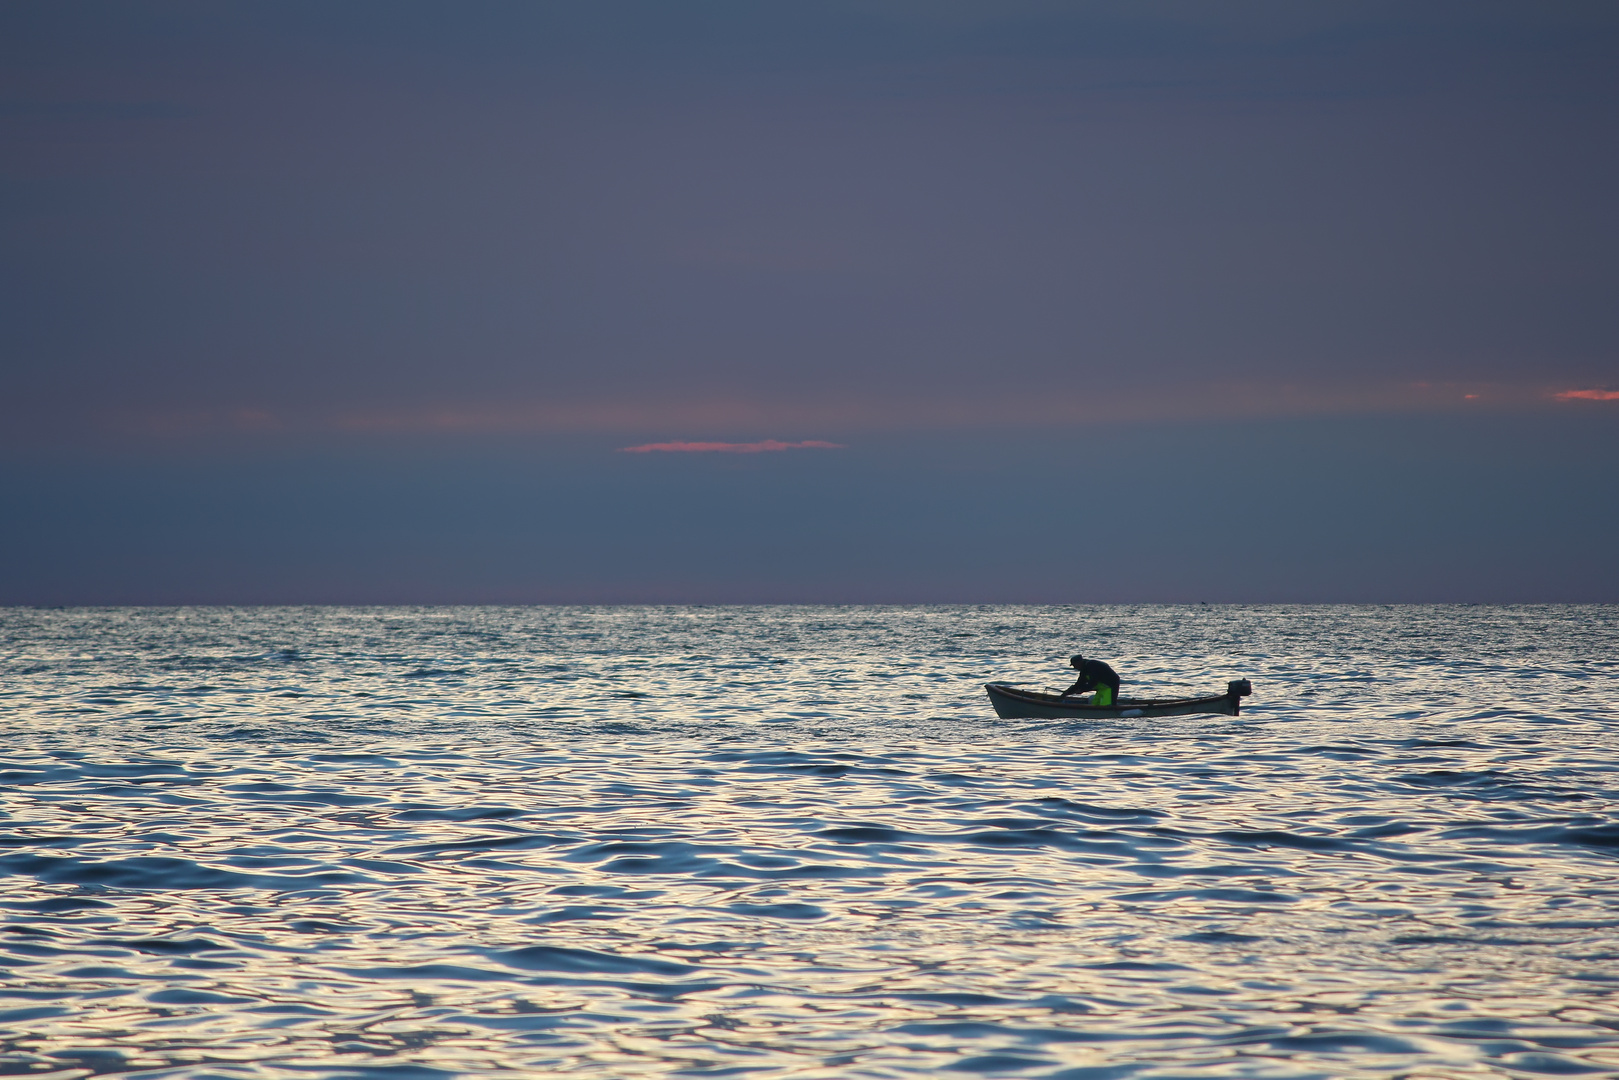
(719, 302)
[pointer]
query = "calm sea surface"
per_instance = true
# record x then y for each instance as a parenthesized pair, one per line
(796, 842)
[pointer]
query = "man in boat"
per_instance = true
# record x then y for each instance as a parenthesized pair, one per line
(1097, 676)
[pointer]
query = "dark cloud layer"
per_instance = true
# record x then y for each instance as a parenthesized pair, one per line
(261, 262)
(313, 211)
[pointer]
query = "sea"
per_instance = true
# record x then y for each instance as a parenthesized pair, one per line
(772, 842)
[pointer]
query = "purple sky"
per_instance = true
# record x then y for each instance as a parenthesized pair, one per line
(1087, 250)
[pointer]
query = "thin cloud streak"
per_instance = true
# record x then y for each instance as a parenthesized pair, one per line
(1017, 404)
(1012, 405)
(767, 446)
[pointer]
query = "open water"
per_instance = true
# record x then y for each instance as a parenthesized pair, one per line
(796, 842)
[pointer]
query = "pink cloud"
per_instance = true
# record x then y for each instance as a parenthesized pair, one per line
(728, 447)
(1588, 395)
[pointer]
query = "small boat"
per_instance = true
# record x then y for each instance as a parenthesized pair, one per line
(1014, 704)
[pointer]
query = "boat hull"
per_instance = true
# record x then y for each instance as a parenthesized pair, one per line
(1014, 704)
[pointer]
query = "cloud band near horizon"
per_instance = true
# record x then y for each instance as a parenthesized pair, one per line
(766, 446)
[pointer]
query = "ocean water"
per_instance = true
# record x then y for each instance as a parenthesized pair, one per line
(797, 842)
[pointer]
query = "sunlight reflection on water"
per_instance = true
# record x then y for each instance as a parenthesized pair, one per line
(797, 842)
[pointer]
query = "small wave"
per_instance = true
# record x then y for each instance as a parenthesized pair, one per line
(1224, 896)
(166, 946)
(795, 912)
(158, 873)
(1339, 1041)
(461, 813)
(194, 997)
(1106, 813)
(1604, 836)
(521, 841)
(551, 958)
(1303, 841)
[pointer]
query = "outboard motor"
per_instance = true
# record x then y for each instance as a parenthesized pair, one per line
(1239, 688)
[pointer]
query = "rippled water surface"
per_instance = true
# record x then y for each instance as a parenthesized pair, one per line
(796, 842)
